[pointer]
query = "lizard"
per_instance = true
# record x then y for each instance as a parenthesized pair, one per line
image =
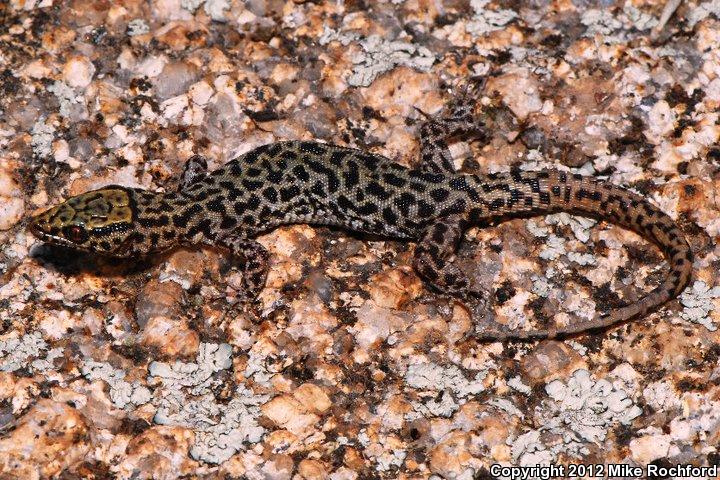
(306, 182)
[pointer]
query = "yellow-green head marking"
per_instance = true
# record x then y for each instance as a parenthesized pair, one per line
(100, 220)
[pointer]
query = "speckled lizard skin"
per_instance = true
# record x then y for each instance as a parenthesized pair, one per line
(314, 183)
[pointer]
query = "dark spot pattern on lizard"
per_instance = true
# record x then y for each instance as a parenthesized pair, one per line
(323, 184)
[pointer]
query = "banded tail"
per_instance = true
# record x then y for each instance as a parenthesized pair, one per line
(550, 191)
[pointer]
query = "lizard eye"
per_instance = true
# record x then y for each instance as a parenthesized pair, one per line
(75, 234)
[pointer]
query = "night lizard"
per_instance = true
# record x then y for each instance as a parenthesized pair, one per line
(303, 182)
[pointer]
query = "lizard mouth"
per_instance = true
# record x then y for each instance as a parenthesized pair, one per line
(37, 231)
(44, 234)
(34, 229)
(40, 225)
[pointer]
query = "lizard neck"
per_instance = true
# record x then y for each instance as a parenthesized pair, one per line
(155, 220)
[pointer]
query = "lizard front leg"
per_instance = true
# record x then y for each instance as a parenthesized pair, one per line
(195, 169)
(458, 118)
(253, 263)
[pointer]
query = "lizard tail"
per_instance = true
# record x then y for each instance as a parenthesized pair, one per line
(536, 193)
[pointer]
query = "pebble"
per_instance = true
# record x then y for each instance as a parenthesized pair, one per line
(519, 90)
(78, 72)
(45, 441)
(12, 204)
(175, 79)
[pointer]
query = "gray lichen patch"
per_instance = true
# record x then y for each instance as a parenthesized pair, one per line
(700, 302)
(588, 407)
(123, 394)
(72, 105)
(379, 55)
(486, 20)
(184, 397)
(42, 138)
(580, 226)
(554, 248)
(448, 388)
(137, 26)
(579, 411)
(15, 351)
(702, 11)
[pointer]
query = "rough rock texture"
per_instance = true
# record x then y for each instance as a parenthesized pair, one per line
(350, 368)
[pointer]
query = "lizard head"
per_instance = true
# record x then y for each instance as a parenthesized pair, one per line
(99, 221)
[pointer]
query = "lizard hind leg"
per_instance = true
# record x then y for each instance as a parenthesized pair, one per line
(434, 258)
(458, 118)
